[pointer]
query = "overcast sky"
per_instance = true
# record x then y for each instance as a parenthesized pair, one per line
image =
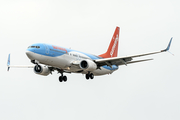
(142, 91)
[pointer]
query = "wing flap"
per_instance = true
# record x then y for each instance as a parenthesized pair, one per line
(135, 61)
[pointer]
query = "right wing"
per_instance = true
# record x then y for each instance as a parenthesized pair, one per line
(127, 59)
(17, 66)
(32, 66)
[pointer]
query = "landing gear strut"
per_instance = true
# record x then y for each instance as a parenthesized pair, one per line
(89, 75)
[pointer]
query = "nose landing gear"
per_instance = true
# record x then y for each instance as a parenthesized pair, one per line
(62, 78)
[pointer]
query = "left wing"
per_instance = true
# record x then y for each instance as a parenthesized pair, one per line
(127, 59)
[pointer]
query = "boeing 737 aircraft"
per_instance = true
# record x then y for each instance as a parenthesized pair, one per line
(48, 58)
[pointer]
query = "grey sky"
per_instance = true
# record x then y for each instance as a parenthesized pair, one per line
(148, 90)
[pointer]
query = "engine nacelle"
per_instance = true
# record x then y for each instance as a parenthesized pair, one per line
(88, 65)
(41, 70)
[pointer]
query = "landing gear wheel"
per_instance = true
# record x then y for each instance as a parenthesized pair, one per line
(87, 76)
(91, 76)
(64, 78)
(60, 78)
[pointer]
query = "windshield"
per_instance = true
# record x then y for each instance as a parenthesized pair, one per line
(34, 47)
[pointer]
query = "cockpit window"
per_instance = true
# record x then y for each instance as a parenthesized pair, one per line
(34, 47)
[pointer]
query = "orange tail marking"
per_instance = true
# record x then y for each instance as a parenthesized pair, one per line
(113, 46)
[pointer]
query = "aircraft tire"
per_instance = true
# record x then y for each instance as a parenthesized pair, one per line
(60, 78)
(64, 78)
(91, 76)
(87, 76)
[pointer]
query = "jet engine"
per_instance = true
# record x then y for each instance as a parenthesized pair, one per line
(88, 65)
(41, 70)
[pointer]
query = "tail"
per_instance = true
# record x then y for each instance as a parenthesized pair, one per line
(113, 46)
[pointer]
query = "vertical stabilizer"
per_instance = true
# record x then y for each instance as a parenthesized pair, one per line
(113, 46)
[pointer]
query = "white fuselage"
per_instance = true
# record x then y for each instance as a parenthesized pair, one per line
(68, 61)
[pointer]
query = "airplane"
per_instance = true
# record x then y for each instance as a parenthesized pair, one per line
(48, 58)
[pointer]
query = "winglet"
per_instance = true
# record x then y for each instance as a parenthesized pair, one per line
(8, 63)
(168, 47)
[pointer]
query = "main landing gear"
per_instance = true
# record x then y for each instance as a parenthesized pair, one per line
(89, 75)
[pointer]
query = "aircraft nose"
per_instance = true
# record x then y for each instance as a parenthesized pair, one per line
(29, 54)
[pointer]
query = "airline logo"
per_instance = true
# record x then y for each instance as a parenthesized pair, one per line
(59, 48)
(114, 46)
